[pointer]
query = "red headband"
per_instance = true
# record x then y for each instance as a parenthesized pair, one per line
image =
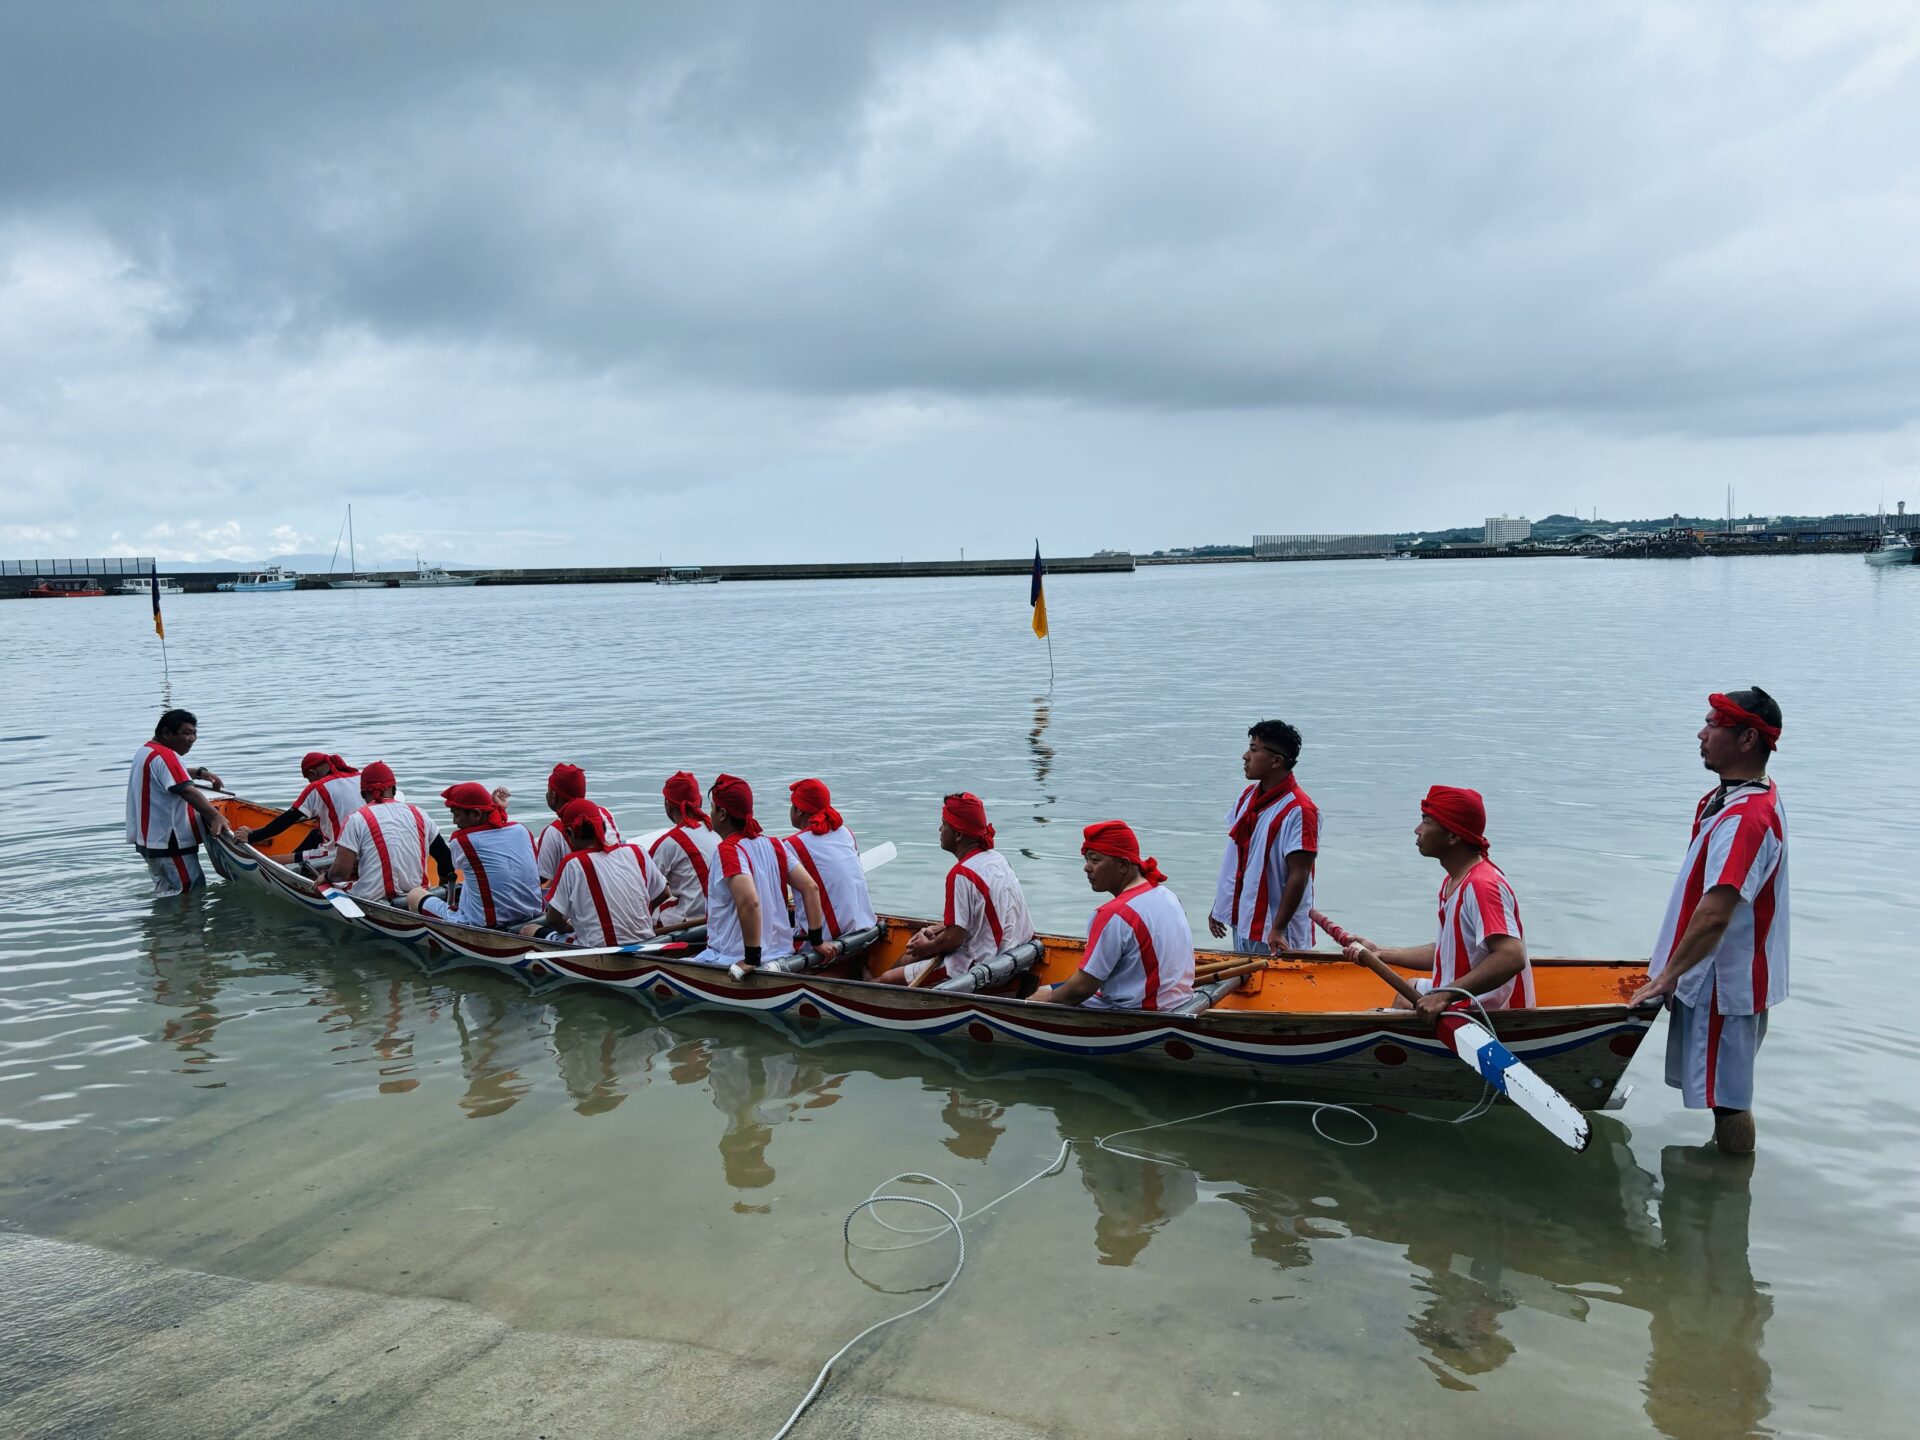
(377, 776)
(735, 796)
(583, 814)
(968, 816)
(683, 790)
(813, 800)
(569, 782)
(1461, 811)
(332, 762)
(1116, 838)
(1732, 716)
(472, 795)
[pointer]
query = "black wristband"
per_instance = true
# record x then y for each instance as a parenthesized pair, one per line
(813, 937)
(752, 955)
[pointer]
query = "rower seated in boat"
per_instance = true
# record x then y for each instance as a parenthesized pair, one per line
(494, 858)
(747, 915)
(826, 850)
(1480, 947)
(1139, 953)
(985, 912)
(383, 848)
(566, 783)
(606, 892)
(332, 794)
(685, 854)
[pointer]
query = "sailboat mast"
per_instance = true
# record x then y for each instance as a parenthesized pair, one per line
(352, 558)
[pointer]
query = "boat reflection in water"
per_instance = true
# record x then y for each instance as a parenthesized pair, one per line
(1560, 1235)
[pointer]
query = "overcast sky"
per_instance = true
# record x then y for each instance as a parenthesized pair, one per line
(826, 279)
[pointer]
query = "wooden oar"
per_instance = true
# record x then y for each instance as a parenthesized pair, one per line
(1479, 1048)
(1227, 972)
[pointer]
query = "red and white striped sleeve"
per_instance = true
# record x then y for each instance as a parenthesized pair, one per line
(1106, 944)
(1744, 848)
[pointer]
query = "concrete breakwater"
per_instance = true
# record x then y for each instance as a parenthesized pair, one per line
(194, 581)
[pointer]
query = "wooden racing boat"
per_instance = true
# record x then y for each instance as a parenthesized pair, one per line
(1311, 1023)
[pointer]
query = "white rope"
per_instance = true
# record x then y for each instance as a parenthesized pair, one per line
(953, 1219)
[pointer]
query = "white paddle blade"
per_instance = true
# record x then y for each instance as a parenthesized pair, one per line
(872, 860)
(345, 904)
(1549, 1108)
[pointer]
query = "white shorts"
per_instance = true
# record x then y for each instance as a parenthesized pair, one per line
(175, 874)
(1710, 1056)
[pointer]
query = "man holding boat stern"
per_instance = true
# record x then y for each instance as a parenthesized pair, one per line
(1481, 947)
(166, 813)
(1720, 961)
(1139, 953)
(986, 911)
(1264, 898)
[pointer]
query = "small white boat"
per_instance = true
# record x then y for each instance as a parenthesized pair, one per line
(274, 578)
(686, 575)
(434, 577)
(353, 579)
(1893, 549)
(145, 587)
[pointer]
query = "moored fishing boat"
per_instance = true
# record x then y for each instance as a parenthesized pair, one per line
(261, 581)
(65, 590)
(145, 587)
(1308, 1022)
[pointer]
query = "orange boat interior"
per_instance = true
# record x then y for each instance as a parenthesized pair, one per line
(1305, 986)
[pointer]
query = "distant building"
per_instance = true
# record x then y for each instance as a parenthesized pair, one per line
(1320, 547)
(1507, 530)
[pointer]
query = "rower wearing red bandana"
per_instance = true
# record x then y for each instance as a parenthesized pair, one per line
(606, 892)
(747, 915)
(986, 911)
(1720, 961)
(826, 850)
(1139, 953)
(383, 848)
(685, 854)
(494, 858)
(1481, 947)
(567, 782)
(1265, 894)
(332, 794)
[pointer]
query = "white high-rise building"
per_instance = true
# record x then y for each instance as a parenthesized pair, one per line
(1507, 529)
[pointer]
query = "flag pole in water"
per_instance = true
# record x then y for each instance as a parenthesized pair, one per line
(1037, 598)
(159, 626)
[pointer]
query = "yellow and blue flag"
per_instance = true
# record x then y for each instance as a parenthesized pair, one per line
(1038, 599)
(153, 580)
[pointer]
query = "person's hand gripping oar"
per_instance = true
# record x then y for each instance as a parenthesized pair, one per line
(1479, 1048)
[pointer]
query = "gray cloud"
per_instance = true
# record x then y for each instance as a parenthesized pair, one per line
(649, 251)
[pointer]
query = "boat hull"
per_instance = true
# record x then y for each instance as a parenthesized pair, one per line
(1581, 1050)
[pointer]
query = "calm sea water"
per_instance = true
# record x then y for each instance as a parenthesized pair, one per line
(228, 1086)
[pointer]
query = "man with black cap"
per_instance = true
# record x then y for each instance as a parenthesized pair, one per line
(1720, 962)
(1480, 948)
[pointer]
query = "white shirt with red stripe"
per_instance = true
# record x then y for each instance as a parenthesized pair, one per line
(833, 860)
(1743, 845)
(684, 857)
(498, 886)
(1247, 898)
(329, 802)
(553, 846)
(158, 819)
(390, 842)
(608, 896)
(1140, 949)
(765, 860)
(1479, 908)
(984, 899)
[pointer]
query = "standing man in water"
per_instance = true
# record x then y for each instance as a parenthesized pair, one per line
(166, 813)
(1720, 961)
(1265, 895)
(1139, 953)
